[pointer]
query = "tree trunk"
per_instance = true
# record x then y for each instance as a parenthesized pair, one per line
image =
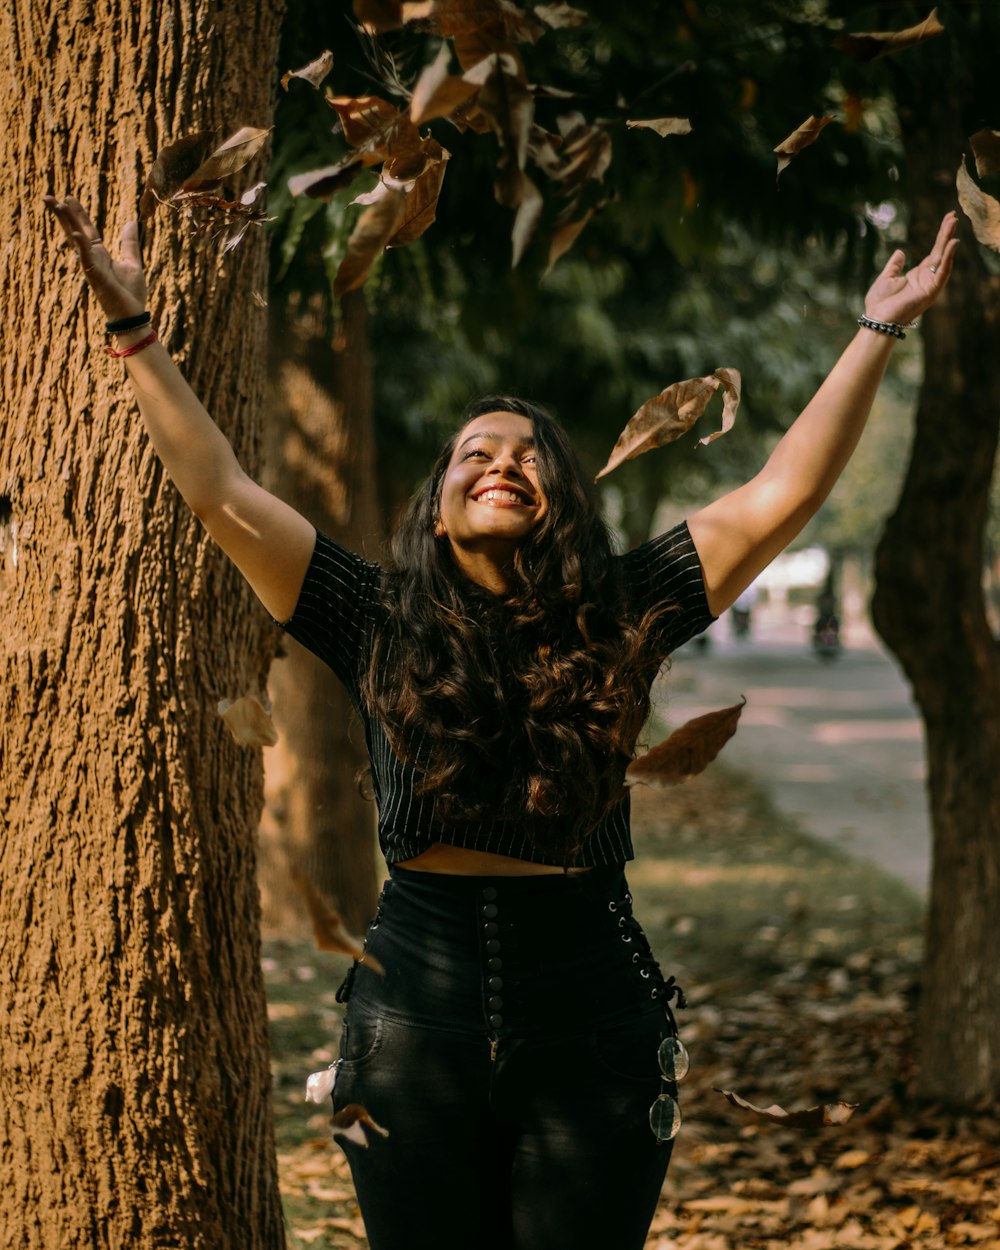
(929, 607)
(135, 1103)
(320, 457)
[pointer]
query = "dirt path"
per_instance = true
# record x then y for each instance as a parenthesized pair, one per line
(837, 745)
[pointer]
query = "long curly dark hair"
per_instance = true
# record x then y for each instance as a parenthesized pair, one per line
(527, 705)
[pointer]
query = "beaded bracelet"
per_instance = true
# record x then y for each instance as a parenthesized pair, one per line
(885, 327)
(128, 323)
(136, 347)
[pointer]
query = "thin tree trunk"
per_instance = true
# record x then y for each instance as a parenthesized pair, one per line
(135, 1104)
(320, 458)
(929, 607)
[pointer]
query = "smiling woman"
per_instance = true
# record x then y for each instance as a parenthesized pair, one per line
(519, 1043)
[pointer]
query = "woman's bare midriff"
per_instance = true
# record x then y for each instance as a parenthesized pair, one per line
(464, 863)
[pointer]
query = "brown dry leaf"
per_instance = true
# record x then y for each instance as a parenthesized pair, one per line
(363, 118)
(248, 721)
(529, 210)
(824, 1116)
(328, 928)
(347, 1124)
(687, 751)
(463, 17)
(505, 100)
(313, 73)
(420, 206)
(586, 152)
(374, 228)
(801, 138)
(869, 45)
(379, 16)
(565, 236)
(321, 184)
(732, 384)
(438, 93)
(238, 150)
(518, 25)
(986, 150)
(851, 1159)
(561, 15)
(982, 210)
(670, 414)
(174, 163)
(663, 126)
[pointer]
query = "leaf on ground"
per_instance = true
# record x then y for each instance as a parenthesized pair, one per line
(800, 138)
(663, 126)
(174, 163)
(238, 150)
(347, 1124)
(437, 93)
(986, 150)
(561, 15)
(823, 1116)
(372, 232)
(982, 210)
(869, 45)
(248, 721)
(313, 73)
(688, 750)
(670, 414)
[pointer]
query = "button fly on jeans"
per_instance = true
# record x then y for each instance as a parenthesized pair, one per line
(492, 946)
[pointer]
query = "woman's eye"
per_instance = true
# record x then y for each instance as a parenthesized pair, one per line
(476, 451)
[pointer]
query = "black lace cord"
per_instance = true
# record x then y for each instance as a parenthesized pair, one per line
(344, 989)
(664, 989)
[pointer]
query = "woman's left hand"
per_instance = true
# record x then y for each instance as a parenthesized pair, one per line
(901, 297)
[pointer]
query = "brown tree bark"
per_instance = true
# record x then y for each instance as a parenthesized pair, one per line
(319, 454)
(929, 607)
(135, 1104)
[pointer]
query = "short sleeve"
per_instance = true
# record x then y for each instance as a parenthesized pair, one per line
(666, 571)
(335, 613)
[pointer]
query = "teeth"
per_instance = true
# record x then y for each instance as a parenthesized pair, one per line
(501, 496)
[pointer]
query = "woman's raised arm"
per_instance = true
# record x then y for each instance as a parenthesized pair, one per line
(268, 541)
(741, 533)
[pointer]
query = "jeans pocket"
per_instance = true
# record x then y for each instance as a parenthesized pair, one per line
(360, 1038)
(628, 1052)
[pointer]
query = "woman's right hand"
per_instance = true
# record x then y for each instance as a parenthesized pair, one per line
(120, 285)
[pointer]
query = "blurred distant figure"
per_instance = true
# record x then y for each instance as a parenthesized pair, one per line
(740, 612)
(826, 627)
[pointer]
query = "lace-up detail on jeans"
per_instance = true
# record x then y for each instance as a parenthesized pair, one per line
(662, 989)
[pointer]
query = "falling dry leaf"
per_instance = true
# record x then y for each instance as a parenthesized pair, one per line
(363, 118)
(830, 1114)
(374, 228)
(982, 210)
(560, 15)
(248, 721)
(420, 206)
(731, 383)
(565, 236)
(801, 138)
(670, 414)
(321, 184)
(313, 73)
(173, 164)
(663, 126)
(870, 45)
(986, 150)
(688, 750)
(346, 1125)
(529, 210)
(379, 16)
(238, 150)
(328, 928)
(438, 93)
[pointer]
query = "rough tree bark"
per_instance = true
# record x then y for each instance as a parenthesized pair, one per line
(929, 607)
(135, 1086)
(320, 456)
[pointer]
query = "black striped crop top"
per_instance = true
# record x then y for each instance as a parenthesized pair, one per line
(336, 615)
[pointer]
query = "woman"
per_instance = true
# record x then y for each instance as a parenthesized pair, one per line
(501, 667)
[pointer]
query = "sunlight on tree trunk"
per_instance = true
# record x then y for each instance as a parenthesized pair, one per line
(135, 1090)
(929, 607)
(320, 457)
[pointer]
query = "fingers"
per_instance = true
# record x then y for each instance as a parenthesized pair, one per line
(944, 245)
(131, 249)
(894, 265)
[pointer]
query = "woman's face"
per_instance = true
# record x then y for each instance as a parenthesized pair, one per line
(490, 496)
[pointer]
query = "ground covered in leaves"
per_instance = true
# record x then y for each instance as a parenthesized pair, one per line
(802, 971)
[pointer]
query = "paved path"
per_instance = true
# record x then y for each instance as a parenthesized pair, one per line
(838, 745)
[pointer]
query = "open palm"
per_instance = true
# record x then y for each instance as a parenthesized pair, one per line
(899, 296)
(120, 285)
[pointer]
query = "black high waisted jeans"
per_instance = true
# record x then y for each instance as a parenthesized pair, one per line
(510, 1048)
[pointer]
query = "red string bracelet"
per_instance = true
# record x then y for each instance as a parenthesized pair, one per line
(136, 347)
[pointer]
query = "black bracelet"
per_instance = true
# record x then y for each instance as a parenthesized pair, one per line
(128, 323)
(883, 327)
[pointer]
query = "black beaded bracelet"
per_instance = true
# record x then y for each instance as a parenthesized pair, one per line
(128, 323)
(883, 327)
